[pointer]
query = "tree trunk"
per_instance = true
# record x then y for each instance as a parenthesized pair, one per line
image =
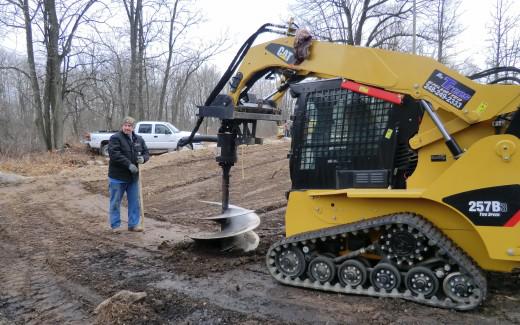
(133, 13)
(36, 93)
(166, 75)
(440, 40)
(120, 92)
(140, 71)
(53, 79)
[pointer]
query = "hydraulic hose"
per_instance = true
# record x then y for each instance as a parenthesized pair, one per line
(492, 71)
(228, 73)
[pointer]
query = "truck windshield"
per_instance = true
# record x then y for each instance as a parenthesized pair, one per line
(173, 128)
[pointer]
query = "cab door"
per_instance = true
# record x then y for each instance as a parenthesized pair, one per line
(164, 137)
(145, 130)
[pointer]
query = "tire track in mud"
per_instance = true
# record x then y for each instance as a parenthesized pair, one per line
(203, 178)
(55, 255)
(31, 292)
(34, 294)
(205, 175)
(41, 283)
(177, 202)
(172, 187)
(55, 261)
(55, 240)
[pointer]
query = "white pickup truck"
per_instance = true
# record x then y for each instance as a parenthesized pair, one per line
(159, 137)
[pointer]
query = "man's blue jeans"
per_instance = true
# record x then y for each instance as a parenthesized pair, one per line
(117, 190)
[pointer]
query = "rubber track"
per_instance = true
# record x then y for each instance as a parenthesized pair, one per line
(435, 237)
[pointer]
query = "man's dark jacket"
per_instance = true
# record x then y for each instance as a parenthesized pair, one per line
(123, 152)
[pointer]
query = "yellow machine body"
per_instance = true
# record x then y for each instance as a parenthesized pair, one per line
(423, 229)
(494, 248)
(485, 162)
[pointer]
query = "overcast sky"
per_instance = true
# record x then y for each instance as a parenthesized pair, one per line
(238, 19)
(243, 17)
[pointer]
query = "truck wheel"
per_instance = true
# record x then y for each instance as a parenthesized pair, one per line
(104, 150)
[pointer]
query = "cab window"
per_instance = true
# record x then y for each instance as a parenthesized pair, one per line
(145, 128)
(161, 129)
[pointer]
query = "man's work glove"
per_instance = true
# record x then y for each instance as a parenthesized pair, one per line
(140, 160)
(133, 169)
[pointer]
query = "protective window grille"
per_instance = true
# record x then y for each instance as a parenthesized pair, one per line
(340, 126)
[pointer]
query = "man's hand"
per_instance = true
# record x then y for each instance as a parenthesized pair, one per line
(140, 160)
(133, 169)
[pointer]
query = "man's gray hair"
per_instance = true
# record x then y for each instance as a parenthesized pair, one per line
(129, 120)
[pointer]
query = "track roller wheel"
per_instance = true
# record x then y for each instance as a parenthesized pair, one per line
(385, 276)
(291, 262)
(353, 273)
(421, 280)
(322, 269)
(458, 287)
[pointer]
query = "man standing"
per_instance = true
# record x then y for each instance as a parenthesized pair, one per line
(127, 151)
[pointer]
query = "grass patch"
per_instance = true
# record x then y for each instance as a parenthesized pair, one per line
(47, 163)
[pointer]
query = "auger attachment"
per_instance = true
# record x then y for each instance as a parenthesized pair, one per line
(236, 223)
(236, 229)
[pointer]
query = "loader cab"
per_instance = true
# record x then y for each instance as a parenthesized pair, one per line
(344, 139)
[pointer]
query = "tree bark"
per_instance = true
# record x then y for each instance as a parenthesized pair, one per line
(36, 95)
(133, 11)
(166, 75)
(140, 70)
(53, 80)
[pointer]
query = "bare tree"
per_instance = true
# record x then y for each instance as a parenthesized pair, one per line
(57, 36)
(80, 81)
(504, 47)
(202, 84)
(355, 22)
(442, 27)
(180, 19)
(190, 62)
(134, 10)
(17, 132)
(111, 76)
(18, 14)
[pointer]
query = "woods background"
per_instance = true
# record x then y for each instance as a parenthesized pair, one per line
(88, 63)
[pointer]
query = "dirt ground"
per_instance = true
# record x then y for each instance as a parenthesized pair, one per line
(58, 261)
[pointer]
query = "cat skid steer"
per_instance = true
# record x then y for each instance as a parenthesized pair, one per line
(405, 174)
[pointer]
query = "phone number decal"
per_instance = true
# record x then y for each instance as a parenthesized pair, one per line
(448, 89)
(443, 94)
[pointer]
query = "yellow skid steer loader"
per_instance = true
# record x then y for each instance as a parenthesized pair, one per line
(405, 174)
